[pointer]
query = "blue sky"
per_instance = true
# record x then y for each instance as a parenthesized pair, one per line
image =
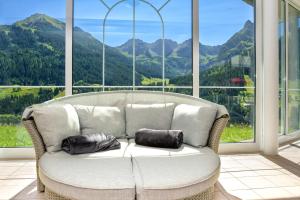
(219, 19)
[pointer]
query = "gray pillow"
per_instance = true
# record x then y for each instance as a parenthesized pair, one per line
(101, 119)
(151, 116)
(195, 122)
(55, 123)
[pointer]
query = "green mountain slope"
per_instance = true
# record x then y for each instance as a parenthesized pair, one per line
(32, 53)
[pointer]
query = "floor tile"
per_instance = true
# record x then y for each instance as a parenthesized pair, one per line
(232, 184)
(283, 180)
(245, 194)
(273, 193)
(247, 173)
(293, 190)
(256, 182)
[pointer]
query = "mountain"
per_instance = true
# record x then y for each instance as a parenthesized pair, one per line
(178, 55)
(32, 53)
(150, 49)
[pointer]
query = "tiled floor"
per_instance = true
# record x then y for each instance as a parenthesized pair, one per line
(242, 177)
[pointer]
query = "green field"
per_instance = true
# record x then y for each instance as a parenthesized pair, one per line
(17, 136)
(14, 136)
(237, 133)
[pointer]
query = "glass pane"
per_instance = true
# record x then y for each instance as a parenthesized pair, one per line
(293, 70)
(12, 133)
(32, 53)
(32, 44)
(240, 104)
(227, 62)
(282, 68)
(149, 46)
(141, 35)
(87, 42)
(178, 43)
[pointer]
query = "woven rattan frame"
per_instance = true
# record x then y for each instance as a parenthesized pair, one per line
(40, 149)
(216, 132)
(206, 195)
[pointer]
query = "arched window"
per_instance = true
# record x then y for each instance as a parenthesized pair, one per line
(142, 44)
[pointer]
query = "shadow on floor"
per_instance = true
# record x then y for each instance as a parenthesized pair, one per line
(29, 192)
(223, 191)
(285, 164)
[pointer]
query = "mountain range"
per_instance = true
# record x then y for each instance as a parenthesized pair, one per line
(32, 52)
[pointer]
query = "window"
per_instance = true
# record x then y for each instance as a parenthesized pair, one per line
(135, 44)
(293, 57)
(282, 68)
(289, 26)
(227, 62)
(32, 61)
(129, 45)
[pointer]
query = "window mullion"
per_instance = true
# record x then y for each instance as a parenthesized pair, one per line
(69, 47)
(196, 52)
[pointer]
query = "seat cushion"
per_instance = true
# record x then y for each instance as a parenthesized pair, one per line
(195, 122)
(55, 123)
(177, 176)
(136, 150)
(151, 116)
(103, 171)
(101, 119)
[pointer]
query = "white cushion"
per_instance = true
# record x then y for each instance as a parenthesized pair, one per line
(152, 116)
(91, 171)
(174, 177)
(195, 122)
(55, 123)
(136, 150)
(97, 119)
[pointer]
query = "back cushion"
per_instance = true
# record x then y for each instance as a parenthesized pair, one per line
(195, 122)
(55, 123)
(101, 119)
(151, 116)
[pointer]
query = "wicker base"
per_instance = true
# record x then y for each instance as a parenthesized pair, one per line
(206, 195)
(53, 196)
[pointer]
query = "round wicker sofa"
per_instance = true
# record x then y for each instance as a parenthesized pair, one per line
(184, 161)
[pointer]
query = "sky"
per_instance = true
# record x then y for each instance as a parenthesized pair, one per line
(219, 19)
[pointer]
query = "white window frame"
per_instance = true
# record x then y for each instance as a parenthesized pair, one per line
(224, 148)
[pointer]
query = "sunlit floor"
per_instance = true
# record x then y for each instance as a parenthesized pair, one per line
(242, 177)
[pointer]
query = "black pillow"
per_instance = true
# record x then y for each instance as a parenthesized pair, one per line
(90, 143)
(159, 138)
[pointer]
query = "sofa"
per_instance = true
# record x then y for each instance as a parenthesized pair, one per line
(133, 171)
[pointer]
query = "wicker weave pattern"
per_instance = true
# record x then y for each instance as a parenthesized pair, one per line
(39, 148)
(216, 131)
(206, 195)
(53, 196)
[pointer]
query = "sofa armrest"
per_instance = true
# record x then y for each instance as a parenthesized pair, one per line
(39, 146)
(216, 132)
(36, 137)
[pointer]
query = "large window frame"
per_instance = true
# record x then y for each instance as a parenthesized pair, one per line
(224, 148)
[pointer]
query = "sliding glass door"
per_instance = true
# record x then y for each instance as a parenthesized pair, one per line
(293, 57)
(289, 29)
(227, 63)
